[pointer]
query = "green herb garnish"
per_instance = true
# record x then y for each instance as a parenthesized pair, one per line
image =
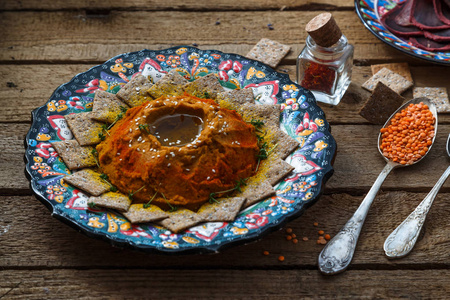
(147, 205)
(240, 183)
(131, 194)
(144, 127)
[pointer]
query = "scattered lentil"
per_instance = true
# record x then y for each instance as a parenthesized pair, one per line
(281, 258)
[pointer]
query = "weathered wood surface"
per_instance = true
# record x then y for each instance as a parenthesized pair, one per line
(223, 284)
(357, 155)
(36, 83)
(106, 6)
(73, 36)
(30, 232)
(45, 43)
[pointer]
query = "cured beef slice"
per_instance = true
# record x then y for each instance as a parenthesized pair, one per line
(397, 16)
(429, 45)
(424, 16)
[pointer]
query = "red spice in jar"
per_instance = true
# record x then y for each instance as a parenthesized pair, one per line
(318, 77)
(409, 134)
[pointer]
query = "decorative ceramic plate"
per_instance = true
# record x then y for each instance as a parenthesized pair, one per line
(370, 12)
(301, 118)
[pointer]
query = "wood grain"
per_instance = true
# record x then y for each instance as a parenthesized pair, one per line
(223, 284)
(36, 83)
(106, 6)
(357, 154)
(75, 37)
(32, 232)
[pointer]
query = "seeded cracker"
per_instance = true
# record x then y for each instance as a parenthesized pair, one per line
(394, 81)
(278, 170)
(138, 214)
(401, 69)
(74, 155)
(237, 97)
(88, 181)
(207, 86)
(85, 130)
(106, 107)
(285, 144)
(381, 104)
(256, 191)
(180, 220)
(225, 210)
(437, 95)
(113, 200)
(135, 92)
(270, 114)
(269, 52)
(171, 84)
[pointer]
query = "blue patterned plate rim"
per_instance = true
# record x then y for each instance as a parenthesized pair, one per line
(361, 6)
(301, 118)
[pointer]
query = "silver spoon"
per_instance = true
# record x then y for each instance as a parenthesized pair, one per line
(401, 241)
(338, 253)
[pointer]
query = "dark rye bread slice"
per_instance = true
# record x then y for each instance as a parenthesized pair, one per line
(381, 104)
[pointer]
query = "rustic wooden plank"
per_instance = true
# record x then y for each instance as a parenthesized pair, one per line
(357, 154)
(73, 36)
(36, 83)
(173, 5)
(27, 230)
(237, 284)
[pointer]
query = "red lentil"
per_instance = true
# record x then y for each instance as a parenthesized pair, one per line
(266, 252)
(407, 138)
(281, 258)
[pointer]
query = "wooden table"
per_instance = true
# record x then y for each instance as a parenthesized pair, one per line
(45, 43)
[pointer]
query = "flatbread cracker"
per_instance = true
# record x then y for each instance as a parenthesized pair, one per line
(135, 92)
(381, 104)
(394, 81)
(437, 95)
(86, 130)
(171, 84)
(106, 107)
(88, 181)
(237, 97)
(74, 155)
(285, 144)
(278, 170)
(269, 114)
(138, 214)
(401, 69)
(256, 191)
(225, 210)
(180, 220)
(113, 200)
(269, 52)
(204, 87)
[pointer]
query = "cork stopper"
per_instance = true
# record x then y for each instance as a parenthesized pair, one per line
(324, 30)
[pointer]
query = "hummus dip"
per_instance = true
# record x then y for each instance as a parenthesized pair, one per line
(176, 151)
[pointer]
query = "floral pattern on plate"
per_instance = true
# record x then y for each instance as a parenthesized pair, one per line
(301, 118)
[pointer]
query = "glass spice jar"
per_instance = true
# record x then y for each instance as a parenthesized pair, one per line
(325, 64)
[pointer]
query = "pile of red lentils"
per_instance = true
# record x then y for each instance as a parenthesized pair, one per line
(292, 237)
(409, 134)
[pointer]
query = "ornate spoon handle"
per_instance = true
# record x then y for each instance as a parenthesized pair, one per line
(401, 241)
(338, 253)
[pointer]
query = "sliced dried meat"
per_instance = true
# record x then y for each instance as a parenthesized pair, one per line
(391, 21)
(423, 15)
(403, 18)
(429, 45)
(438, 36)
(442, 9)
